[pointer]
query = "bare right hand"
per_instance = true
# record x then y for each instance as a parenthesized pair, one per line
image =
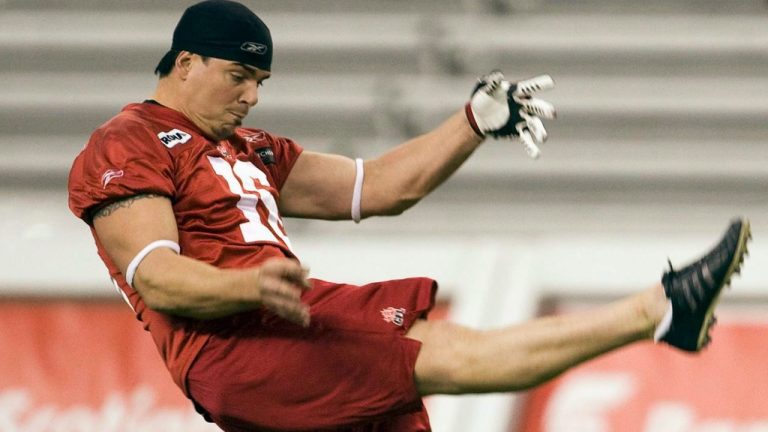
(281, 281)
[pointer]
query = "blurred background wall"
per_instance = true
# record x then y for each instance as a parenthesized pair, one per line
(659, 141)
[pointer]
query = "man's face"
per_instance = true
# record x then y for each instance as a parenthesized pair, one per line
(219, 93)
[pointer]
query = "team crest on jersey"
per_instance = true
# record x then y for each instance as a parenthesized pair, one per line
(173, 137)
(110, 175)
(392, 315)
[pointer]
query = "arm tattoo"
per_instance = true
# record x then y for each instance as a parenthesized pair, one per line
(123, 203)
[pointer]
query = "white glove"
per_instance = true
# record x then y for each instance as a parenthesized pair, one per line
(507, 110)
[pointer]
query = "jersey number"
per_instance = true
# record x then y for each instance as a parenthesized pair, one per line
(256, 202)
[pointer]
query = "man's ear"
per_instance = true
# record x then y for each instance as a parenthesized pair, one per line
(183, 63)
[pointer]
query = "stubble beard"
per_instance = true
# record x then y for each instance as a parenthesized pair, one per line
(225, 131)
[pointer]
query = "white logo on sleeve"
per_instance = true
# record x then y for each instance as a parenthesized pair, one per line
(173, 137)
(110, 175)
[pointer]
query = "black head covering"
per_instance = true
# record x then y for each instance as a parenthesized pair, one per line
(227, 30)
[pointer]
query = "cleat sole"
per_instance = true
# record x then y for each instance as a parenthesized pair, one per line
(745, 235)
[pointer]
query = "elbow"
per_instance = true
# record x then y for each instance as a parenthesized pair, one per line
(188, 291)
(161, 302)
(153, 282)
(393, 204)
(391, 193)
(158, 305)
(152, 293)
(399, 206)
(161, 296)
(405, 199)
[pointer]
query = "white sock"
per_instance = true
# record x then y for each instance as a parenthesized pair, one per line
(663, 328)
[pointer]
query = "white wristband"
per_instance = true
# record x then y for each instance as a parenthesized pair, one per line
(358, 191)
(130, 272)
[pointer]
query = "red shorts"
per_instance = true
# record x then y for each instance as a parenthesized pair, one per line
(351, 370)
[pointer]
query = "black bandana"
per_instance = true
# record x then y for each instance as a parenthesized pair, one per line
(227, 30)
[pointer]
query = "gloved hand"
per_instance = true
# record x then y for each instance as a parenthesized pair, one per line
(507, 110)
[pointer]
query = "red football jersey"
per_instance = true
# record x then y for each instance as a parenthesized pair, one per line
(224, 197)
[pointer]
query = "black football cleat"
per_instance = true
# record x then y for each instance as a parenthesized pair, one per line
(694, 290)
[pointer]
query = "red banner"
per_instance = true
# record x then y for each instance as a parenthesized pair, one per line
(85, 367)
(68, 366)
(653, 388)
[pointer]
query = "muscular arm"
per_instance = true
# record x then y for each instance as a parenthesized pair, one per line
(320, 185)
(182, 286)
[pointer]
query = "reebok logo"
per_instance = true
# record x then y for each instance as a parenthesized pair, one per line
(254, 48)
(173, 137)
(254, 137)
(109, 175)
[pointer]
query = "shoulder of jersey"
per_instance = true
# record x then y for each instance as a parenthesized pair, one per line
(165, 131)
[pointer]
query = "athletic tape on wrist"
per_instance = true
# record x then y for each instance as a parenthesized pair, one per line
(130, 272)
(472, 121)
(358, 191)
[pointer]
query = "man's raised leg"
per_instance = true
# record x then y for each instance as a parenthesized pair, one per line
(455, 359)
